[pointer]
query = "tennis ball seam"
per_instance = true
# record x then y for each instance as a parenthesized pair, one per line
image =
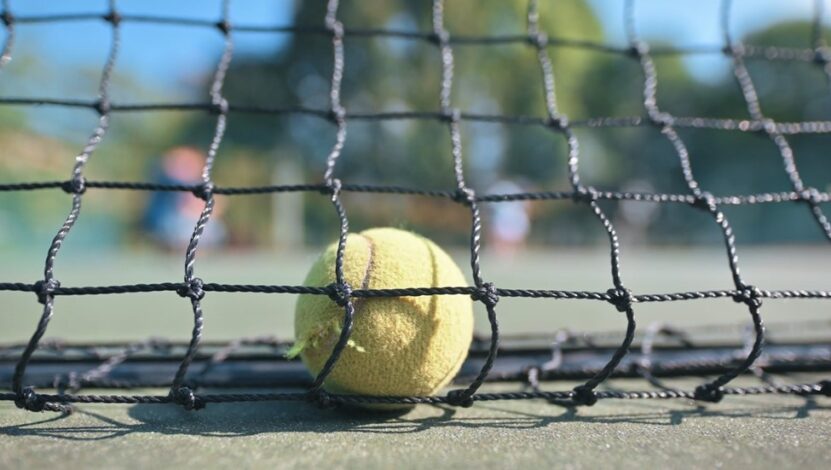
(370, 262)
(431, 311)
(368, 271)
(409, 300)
(459, 360)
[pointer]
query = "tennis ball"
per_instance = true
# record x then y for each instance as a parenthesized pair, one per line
(400, 346)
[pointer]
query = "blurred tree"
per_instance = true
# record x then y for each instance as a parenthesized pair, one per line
(724, 162)
(400, 74)
(729, 163)
(393, 74)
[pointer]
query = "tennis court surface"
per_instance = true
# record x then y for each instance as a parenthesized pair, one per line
(766, 431)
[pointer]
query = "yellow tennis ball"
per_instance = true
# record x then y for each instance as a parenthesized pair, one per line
(400, 346)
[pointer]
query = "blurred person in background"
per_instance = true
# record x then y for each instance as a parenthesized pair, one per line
(170, 216)
(510, 221)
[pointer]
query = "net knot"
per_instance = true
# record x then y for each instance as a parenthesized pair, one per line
(335, 27)
(708, 392)
(822, 55)
(27, 399)
(769, 126)
(558, 122)
(466, 196)
(440, 37)
(31, 401)
(340, 293)
(825, 388)
(219, 106)
(660, 118)
(102, 107)
(705, 201)
(639, 48)
(620, 298)
(193, 289)
(7, 18)
(451, 115)
(321, 398)
(811, 195)
(486, 294)
(332, 187)
(224, 26)
(187, 398)
(735, 50)
(539, 39)
(584, 396)
(204, 191)
(749, 295)
(113, 18)
(337, 114)
(584, 194)
(461, 397)
(77, 185)
(46, 289)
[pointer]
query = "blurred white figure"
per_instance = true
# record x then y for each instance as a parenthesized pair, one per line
(637, 216)
(510, 221)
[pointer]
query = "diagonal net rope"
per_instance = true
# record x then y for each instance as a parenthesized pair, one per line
(192, 287)
(183, 385)
(25, 397)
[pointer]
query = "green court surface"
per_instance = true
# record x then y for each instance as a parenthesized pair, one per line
(762, 431)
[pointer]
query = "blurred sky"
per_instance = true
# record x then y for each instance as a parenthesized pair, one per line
(150, 52)
(157, 55)
(697, 22)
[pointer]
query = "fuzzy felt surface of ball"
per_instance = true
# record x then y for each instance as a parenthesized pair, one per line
(399, 346)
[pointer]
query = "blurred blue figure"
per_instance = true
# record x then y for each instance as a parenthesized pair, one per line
(170, 216)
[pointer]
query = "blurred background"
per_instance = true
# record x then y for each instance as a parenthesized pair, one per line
(137, 236)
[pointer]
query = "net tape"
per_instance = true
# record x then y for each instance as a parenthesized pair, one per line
(194, 289)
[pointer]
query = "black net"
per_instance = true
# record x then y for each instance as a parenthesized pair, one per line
(656, 352)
